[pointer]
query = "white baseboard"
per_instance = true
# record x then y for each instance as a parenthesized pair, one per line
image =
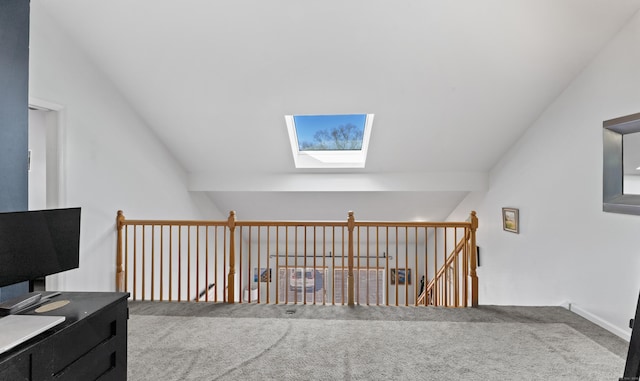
(623, 334)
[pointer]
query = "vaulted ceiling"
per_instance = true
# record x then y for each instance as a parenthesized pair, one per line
(453, 85)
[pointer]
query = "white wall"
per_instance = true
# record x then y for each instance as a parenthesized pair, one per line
(111, 159)
(38, 162)
(568, 249)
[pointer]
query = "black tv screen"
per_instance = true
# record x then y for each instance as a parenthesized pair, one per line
(38, 243)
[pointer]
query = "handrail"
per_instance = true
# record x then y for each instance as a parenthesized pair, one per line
(151, 254)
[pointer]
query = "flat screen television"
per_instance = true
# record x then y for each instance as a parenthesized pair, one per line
(38, 243)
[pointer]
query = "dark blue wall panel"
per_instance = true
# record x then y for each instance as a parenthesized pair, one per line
(14, 102)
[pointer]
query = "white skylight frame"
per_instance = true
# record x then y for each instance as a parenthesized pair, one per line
(329, 158)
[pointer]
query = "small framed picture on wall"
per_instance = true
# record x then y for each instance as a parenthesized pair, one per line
(510, 221)
(403, 276)
(265, 276)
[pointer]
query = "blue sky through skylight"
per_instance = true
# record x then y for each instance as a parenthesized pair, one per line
(330, 132)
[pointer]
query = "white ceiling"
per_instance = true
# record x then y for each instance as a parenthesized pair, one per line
(453, 84)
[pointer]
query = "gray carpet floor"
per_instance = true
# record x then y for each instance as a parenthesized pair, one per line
(206, 341)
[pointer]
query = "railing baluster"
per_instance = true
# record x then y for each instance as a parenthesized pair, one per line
(465, 267)
(215, 264)
(232, 257)
(426, 264)
(277, 269)
(170, 262)
(161, 262)
(126, 256)
(240, 297)
(206, 263)
(333, 265)
(286, 265)
(268, 264)
(396, 277)
(455, 270)
(198, 265)
(367, 290)
(416, 280)
(324, 265)
(295, 268)
(188, 263)
(356, 274)
(435, 268)
(153, 262)
(377, 265)
(225, 295)
(248, 265)
(387, 275)
(343, 275)
(179, 263)
(304, 271)
(443, 283)
(314, 264)
(135, 262)
(406, 264)
(258, 272)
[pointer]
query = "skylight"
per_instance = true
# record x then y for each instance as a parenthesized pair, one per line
(329, 141)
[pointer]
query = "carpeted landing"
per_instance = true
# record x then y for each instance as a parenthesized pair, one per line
(367, 343)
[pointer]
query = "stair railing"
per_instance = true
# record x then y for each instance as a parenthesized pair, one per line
(443, 288)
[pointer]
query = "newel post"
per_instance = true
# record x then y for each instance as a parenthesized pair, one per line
(474, 250)
(351, 223)
(119, 256)
(231, 223)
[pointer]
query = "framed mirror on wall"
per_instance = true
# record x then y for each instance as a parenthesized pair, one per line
(621, 165)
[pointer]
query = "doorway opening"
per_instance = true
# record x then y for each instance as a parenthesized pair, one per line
(45, 168)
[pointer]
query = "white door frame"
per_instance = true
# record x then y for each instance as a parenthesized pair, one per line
(56, 168)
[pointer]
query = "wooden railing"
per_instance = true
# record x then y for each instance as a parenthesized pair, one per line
(152, 254)
(349, 262)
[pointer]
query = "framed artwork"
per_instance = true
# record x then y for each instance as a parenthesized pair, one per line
(510, 221)
(403, 276)
(265, 274)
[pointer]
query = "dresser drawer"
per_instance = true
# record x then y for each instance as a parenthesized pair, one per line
(82, 337)
(19, 368)
(96, 363)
